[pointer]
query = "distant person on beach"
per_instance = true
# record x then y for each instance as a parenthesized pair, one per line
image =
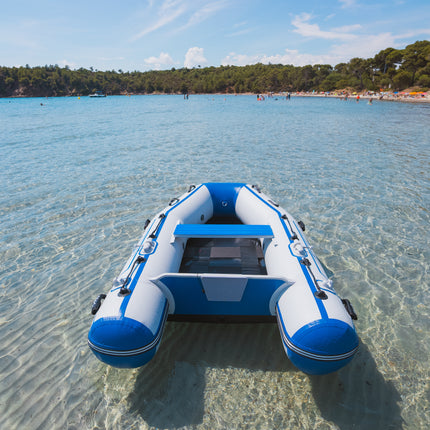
(358, 98)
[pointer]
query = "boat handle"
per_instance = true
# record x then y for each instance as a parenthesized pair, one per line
(97, 303)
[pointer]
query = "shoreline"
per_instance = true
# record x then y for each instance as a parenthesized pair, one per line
(384, 97)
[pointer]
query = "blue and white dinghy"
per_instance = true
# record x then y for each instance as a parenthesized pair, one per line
(224, 251)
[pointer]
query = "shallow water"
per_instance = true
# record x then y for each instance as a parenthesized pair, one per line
(79, 179)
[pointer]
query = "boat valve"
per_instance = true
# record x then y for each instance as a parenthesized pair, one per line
(124, 290)
(320, 294)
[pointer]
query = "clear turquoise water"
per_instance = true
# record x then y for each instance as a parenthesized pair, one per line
(80, 176)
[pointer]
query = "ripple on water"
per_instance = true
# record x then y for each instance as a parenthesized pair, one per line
(79, 181)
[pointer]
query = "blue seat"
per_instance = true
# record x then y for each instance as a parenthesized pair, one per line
(223, 231)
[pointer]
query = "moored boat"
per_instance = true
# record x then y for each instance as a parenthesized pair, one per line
(224, 251)
(98, 94)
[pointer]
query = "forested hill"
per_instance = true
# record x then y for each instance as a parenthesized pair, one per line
(390, 68)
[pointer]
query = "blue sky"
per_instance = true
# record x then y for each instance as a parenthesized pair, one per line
(150, 34)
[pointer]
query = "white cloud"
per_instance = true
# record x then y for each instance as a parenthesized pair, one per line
(305, 28)
(163, 59)
(110, 58)
(347, 3)
(70, 64)
(347, 28)
(178, 10)
(240, 24)
(347, 42)
(366, 46)
(194, 57)
(204, 13)
(240, 28)
(240, 32)
(169, 11)
(415, 33)
(290, 56)
(234, 59)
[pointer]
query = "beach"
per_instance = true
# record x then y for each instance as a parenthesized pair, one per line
(383, 96)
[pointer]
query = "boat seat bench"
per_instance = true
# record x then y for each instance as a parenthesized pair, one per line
(243, 231)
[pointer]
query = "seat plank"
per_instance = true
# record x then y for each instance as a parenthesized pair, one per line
(223, 231)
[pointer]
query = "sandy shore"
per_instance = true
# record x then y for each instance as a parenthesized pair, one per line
(419, 98)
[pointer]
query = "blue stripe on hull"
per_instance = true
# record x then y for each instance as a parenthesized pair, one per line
(305, 270)
(135, 277)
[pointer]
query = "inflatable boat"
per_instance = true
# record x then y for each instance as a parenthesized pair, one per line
(224, 251)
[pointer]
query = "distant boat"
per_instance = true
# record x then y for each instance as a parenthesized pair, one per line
(98, 94)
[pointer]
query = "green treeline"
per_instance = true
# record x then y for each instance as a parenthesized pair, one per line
(390, 68)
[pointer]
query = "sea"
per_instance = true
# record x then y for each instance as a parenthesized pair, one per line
(79, 177)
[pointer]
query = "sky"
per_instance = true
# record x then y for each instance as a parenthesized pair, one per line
(143, 35)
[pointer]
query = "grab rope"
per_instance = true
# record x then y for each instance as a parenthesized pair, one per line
(124, 290)
(320, 294)
(294, 235)
(153, 235)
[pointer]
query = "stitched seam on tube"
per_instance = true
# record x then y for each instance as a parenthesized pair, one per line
(137, 351)
(307, 354)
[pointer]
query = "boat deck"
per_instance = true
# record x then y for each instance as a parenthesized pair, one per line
(223, 255)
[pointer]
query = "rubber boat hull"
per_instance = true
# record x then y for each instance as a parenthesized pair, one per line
(221, 251)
